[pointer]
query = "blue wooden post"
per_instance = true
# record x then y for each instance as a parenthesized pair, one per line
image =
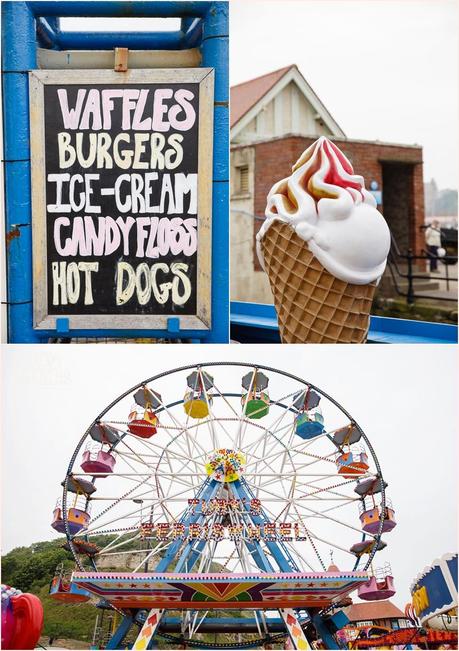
(19, 56)
(118, 636)
(324, 633)
(214, 50)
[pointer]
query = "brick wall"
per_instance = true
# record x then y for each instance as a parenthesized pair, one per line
(274, 160)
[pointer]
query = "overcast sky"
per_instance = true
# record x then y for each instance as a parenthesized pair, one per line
(403, 396)
(385, 69)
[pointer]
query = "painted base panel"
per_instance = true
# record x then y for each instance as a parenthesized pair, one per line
(148, 629)
(296, 636)
(198, 591)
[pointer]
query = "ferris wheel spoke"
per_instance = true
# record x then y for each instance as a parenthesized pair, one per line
(253, 447)
(182, 458)
(177, 476)
(242, 425)
(257, 487)
(330, 508)
(294, 550)
(91, 529)
(304, 444)
(257, 460)
(107, 550)
(258, 479)
(209, 421)
(324, 489)
(264, 439)
(329, 543)
(156, 550)
(152, 501)
(196, 624)
(221, 394)
(183, 428)
(270, 493)
(129, 458)
(264, 460)
(195, 439)
(274, 427)
(117, 501)
(319, 514)
(313, 484)
(138, 459)
(300, 449)
(287, 453)
(174, 436)
(185, 461)
(277, 431)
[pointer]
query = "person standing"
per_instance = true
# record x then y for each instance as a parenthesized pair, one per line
(433, 243)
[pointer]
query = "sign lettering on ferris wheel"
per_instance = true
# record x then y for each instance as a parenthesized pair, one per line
(269, 531)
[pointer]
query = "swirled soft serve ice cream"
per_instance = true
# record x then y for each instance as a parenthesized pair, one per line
(324, 246)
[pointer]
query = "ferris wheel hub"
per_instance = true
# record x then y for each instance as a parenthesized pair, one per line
(225, 465)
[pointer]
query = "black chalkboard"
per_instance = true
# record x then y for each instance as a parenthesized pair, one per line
(121, 198)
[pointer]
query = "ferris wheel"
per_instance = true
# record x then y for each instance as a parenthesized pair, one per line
(225, 470)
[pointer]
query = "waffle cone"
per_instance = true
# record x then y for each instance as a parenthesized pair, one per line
(312, 305)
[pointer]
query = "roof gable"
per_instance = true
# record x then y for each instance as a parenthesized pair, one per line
(251, 97)
(374, 610)
(244, 96)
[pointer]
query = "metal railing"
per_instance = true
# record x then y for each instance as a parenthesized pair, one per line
(395, 258)
(410, 258)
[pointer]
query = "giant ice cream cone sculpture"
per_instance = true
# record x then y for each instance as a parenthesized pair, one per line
(324, 247)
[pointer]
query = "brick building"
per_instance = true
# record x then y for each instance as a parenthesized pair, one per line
(274, 118)
(377, 613)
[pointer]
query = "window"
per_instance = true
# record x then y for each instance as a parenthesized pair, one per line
(243, 180)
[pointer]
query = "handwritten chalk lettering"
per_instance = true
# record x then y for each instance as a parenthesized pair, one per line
(121, 174)
(67, 282)
(101, 151)
(150, 282)
(141, 110)
(84, 195)
(132, 192)
(155, 236)
(166, 236)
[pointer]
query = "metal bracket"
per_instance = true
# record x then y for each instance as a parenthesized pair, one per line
(121, 59)
(173, 325)
(62, 326)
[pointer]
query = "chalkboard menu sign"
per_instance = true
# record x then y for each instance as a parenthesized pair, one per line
(121, 197)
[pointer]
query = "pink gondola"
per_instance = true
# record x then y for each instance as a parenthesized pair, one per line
(380, 586)
(96, 460)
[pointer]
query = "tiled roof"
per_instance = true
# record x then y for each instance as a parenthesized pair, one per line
(247, 94)
(373, 610)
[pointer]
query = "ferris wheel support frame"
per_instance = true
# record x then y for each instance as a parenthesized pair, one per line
(187, 561)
